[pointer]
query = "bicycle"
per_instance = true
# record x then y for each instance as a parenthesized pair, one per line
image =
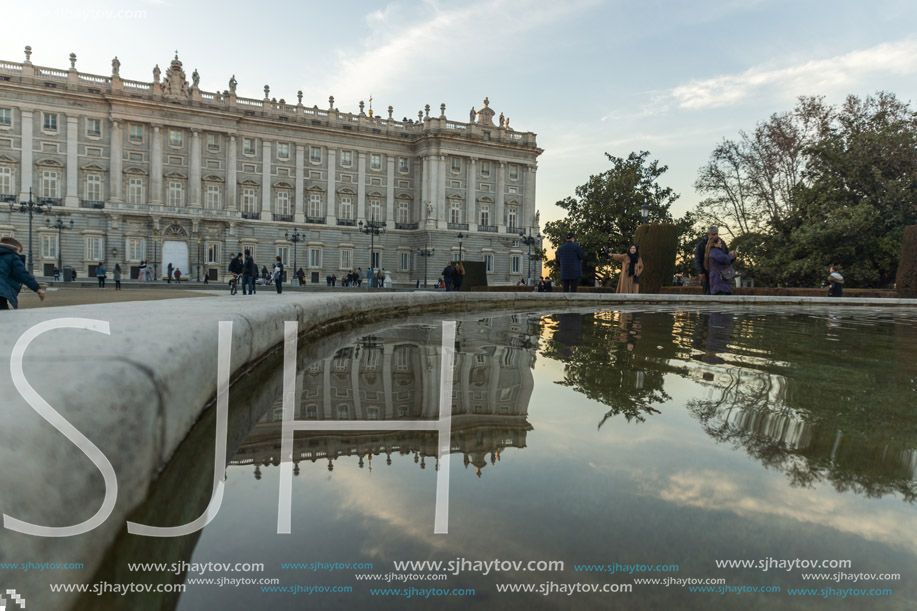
(233, 285)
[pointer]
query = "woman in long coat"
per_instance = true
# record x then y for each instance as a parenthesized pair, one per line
(629, 280)
(716, 261)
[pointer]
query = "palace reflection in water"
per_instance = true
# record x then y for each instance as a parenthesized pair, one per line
(395, 375)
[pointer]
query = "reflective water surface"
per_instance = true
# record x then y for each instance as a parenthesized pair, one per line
(672, 437)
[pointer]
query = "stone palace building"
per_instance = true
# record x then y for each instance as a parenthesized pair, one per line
(164, 172)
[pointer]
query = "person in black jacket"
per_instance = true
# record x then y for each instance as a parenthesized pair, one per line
(570, 257)
(700, 254)
(13, 274)
(249, 273)
(449, 276)
(278, 275)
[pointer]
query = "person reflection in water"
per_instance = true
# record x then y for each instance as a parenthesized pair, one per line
(569, 333)
(714, 331)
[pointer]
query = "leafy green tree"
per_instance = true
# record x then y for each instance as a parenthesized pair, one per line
(606, 211)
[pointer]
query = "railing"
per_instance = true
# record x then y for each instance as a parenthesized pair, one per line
(459, 226)
(512, 229)
(376, 224)
(10, 67)
(137, 85)
(50, 201)
(347, 222)
(51, 73)
(489, 228)
(249, 102)
(283, 218)
(407, 225)
(92, 204)
(317, 220)
(91, 78)
(252, 216)
(7, 198)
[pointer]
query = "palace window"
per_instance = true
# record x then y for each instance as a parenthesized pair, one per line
(49, 183)
(375, 162)
(49, 122)
(282, 203)
(6, 117)
(489, 263)
(315, 154)
(456, 165)
(405, 262)
(347, 259)
(283, 150)
(347, 158)
(213, 253)
(213, 198)
(485, 169)
(516, 262)
(248, 199)
(512, 217)
(213, 142)
(315, 205)
(95, 249)
(404, 211)
(176, 193)
(49, 246)
(485, 214)
(315, 257)
(346, 208)
(94, 187)
(135, 133)
(284, 253)
(513, 172)
(6, 181)
(175, 137)
(375, 210)
(455, 211)
(94, 128)
(135, 190)
(248, 146)
(403, 164)
(136, 249)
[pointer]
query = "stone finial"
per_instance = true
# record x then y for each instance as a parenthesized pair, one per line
(299, 96)
(195, 79)
(73, 61)
(116, 66)
(420, 116)
(156, 73)
(361, 107)
(486, 102)
(232, 84)
(267, 91)
(442, 111)
(28, 54)
(390, 110)
(427, 111)
(330, 102)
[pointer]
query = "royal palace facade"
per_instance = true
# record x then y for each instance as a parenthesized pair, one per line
(165, 172)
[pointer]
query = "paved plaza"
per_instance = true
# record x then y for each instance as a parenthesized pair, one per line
(57, 297)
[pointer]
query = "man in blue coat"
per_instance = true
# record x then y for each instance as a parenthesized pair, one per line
(13, 274)
(570, 257)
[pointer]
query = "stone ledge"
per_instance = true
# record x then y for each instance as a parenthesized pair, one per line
(167, 350)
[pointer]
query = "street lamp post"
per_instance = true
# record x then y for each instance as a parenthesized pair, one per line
(529, 241)
(42, 206)
(426, 253)
(295, 238)
(200, 258)
(372, 228)
(60, 225)
(645, 212)
(461, 236)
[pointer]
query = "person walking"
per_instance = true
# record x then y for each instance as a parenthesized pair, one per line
(718, 266)
(700, 257)
(117, 276)
(629, 280)
(334, 279)
(459, 276)
(570, 257)
(177, 276)
(359, 276)
(249, 271)
(278, 275)
(13, 274)
(141, 272)
(449, 276)
(835, 282)
(56, 274)
(302, 276)
(169, 274)
(101, 272)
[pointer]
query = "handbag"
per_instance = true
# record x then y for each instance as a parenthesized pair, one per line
(636, 279)
(729, 273)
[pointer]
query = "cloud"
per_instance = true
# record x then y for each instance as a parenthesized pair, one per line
(816, 76)
(401, 47)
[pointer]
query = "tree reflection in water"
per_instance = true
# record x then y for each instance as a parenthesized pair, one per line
(821, 397)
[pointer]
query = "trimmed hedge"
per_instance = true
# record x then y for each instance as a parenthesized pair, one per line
(658, 243)
(906, 281)
(475, 276)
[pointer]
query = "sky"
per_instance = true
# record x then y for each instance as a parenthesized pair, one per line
(587, 76)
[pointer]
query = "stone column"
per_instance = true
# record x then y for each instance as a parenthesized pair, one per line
(440, 205)
(300, 213)
(331, 202)
(431, 183)
(231, 180)
(390, 193)
(500, 211)
(266, 181)
(194, 189)
(155, 196)
(116, 176)
(424, 186)
(528, 197)
(25, 174)
(361, 187)
(471, 191)
(73, 171)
